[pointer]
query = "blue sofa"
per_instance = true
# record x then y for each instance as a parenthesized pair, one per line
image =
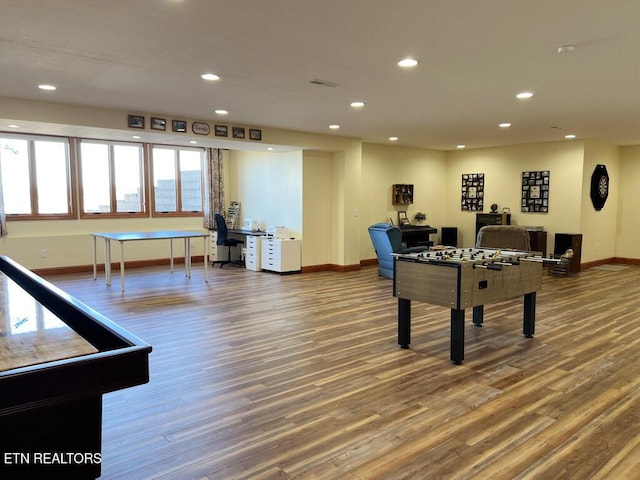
(387, 239)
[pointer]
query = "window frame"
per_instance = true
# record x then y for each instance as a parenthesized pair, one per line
(75, 187)
(178, 213)
(33, 177)
(113, 200)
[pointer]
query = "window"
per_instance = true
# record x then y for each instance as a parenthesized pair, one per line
(177, 180)
(36, 177)
(112, 178)
(49, 177)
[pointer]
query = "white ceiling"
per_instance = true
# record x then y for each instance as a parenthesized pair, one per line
(475, 55)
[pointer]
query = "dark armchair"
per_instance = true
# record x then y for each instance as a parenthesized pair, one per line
(387, 239)
(504, 236)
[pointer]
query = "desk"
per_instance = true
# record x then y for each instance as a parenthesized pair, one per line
(218, 253)
(57, 358)
(242, 231)
(123, 237)
(417, 235)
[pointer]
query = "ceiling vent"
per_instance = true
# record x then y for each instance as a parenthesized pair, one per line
(324, 83)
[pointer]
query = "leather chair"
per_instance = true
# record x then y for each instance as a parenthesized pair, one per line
(387, 239)
(503, 236)
(224, 240)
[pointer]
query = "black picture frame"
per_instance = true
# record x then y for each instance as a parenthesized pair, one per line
(535, 191)
(237, 132)
(135, 121)
(472, 192)
(157, 123)
(255, 134)
(221, 130)
(179, 126)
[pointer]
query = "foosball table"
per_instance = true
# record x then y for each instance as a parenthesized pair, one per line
(465, 278)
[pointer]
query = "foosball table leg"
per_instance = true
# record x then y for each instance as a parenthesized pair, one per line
(478, 315)
(457, 336)
(404, 322)
(529, 317)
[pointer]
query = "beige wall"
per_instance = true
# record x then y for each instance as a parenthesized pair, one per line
(383, 166)
(502, 168)
(628, 194)
(268, 186)
(329, 189)
(68, 243)
(317, 205)
(598, 228)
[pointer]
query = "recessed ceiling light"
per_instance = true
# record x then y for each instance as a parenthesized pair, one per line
(407, 63)
(192, 142)
(504, 125)
(570, 136)
(566, 49)
(393, 139)
(524, 95)
(47, 87)
(13, 125)
(221, 112)
(137, 137)
(334, 127)
(357, 104)
(461, 146)
(270, 149)
(210, 76)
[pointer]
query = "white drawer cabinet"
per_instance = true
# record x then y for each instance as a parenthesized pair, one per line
(220, 253)
(213, 248)
(281, 255)
(253, 256)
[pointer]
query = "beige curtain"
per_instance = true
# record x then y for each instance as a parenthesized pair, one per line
(213, 188)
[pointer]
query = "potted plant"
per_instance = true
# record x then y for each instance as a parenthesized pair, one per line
(420, 217)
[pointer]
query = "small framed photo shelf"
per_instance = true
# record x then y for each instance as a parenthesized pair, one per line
(237, 132)
(179, 126)
(158, 123)
(472, 198)
(535, 192)
(135, 121)
(255, 134)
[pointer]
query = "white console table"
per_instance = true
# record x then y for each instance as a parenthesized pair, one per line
(122, 237)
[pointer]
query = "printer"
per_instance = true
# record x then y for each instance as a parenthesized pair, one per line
(278, 232)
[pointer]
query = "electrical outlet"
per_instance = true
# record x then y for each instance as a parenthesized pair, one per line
(43, 253)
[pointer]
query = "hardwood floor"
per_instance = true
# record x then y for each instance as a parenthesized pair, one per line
(260, 376)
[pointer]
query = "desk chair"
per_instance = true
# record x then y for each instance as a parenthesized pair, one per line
(224, 240)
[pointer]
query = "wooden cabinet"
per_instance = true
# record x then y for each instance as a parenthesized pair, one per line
(281, 255)
(483, 219)
(253, 256)
(564, 241)
(538, 240)
(402, 194)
